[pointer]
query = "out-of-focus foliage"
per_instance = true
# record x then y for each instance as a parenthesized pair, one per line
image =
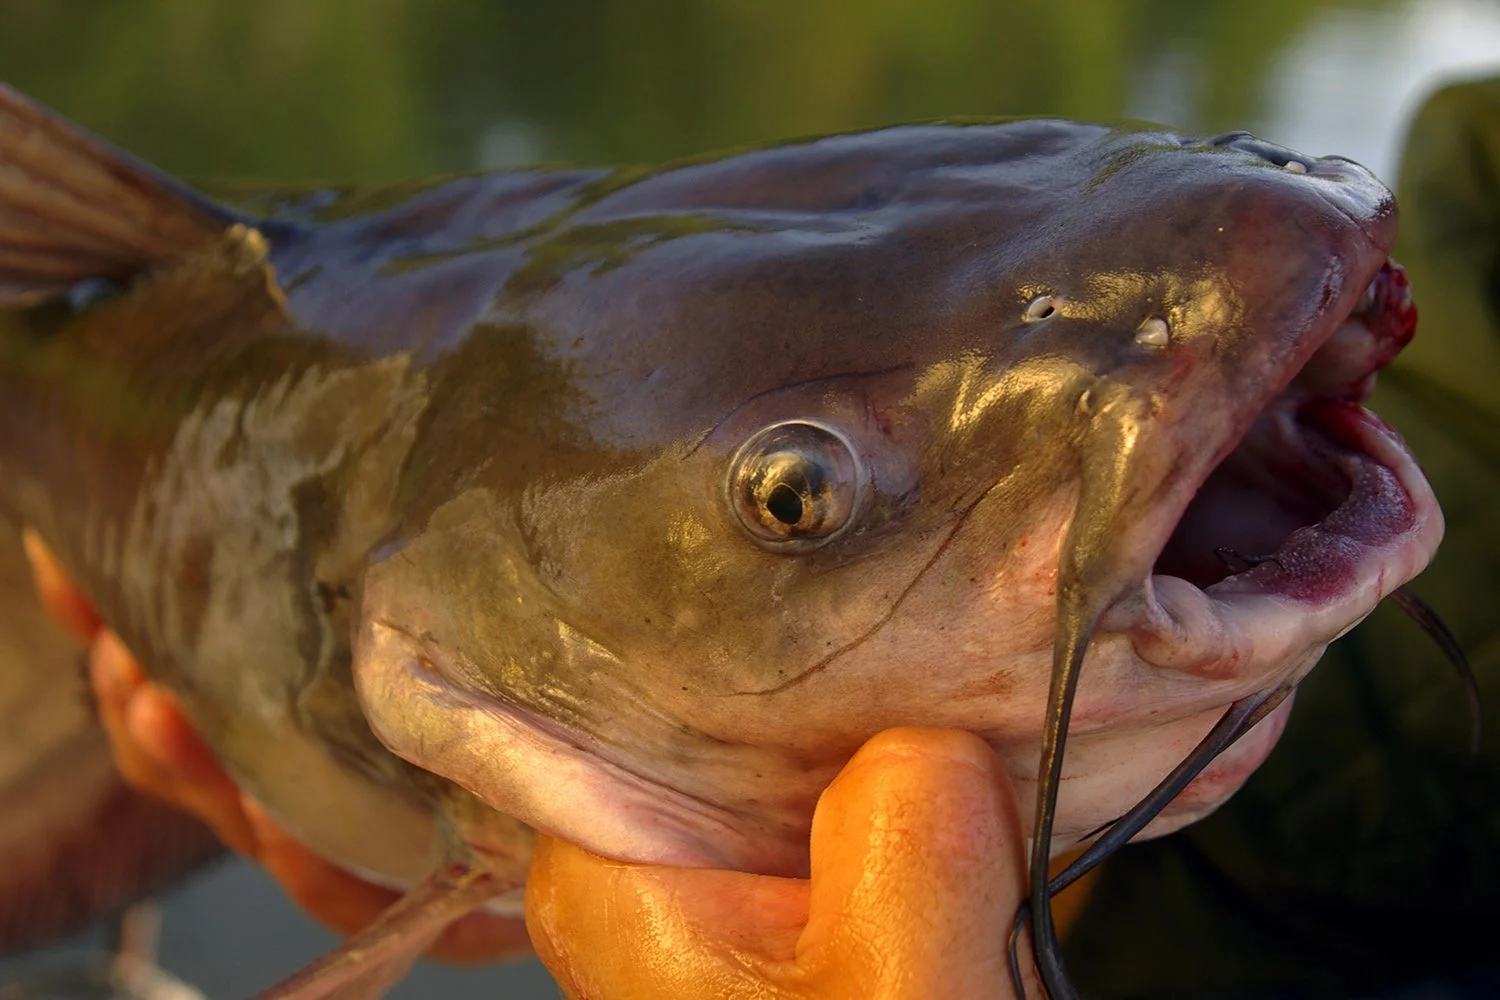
(345, 89)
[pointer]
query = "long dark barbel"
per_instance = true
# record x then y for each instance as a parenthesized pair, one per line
(1239, 719)
(1054, 737)
(1119, 477)
(1427, 619)
(1421, 612)
(1124, 484)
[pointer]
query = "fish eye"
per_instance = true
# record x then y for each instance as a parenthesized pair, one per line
(795, 485)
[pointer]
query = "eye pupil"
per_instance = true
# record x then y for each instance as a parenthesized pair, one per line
(784, 504)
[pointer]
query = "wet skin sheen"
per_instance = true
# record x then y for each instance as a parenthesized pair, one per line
(468, 464)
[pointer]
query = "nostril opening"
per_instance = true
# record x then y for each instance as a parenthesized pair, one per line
(1273, 154)
(1040, 308)
(1229, 138)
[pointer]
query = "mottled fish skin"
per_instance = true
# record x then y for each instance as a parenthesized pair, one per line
(451, 467)
(228, 551)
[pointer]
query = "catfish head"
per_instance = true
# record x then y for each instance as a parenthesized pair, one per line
(747, 460)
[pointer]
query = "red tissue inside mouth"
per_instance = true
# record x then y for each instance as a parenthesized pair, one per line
(1391, 316)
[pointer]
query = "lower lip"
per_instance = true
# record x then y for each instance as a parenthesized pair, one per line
(1234, 766)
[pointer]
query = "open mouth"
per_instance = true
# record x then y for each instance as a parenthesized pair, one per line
(1301, 461)
(1317, 514)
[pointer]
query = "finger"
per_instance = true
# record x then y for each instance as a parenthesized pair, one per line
(59, 596)
(609, 929)
(483, 937)
(156, 747)
(336, 898)
(345, 903)
(116, 679)
(198, 784)
(162, 729)
(160, 752)
(918, 866)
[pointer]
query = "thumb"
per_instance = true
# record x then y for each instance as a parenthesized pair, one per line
(918, 866)
(616, 931)
(917, 870)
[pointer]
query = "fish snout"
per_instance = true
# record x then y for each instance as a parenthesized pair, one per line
(1288, 159)
(1341, 183)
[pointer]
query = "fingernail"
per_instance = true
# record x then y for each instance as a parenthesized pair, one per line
(152, 718)
(35, 549)
(114, 664)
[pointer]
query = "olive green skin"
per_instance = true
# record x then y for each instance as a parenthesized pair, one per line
(495, 416)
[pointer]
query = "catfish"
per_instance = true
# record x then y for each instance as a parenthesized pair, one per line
(624, 505)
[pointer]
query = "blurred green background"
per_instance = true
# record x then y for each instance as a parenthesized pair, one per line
(364, 89)
(343, 90)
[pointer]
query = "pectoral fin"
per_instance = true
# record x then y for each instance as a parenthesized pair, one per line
(77, 844)
(370, 962)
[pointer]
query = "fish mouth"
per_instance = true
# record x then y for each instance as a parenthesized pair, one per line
(1317, 513)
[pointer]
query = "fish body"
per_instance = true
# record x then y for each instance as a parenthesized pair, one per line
(626, 505)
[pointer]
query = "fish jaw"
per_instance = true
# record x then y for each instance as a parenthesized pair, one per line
(1321, 580)
(548, 776)
(1319, 506)
(1316, 515)
(1339, 516)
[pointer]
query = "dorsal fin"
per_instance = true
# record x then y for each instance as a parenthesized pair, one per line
(73, 207)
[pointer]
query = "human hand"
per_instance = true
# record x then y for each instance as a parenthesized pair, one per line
(159, 753)
(918, 866)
